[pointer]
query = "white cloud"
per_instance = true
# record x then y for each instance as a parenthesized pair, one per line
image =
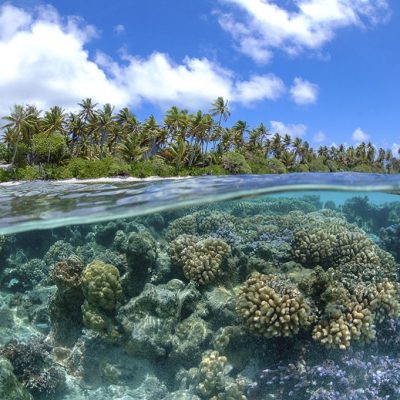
(259, 88)
(304, 92)
(319, 137)
(294, 130)
(359, 135)
(119, 29)
(47, 63)
(263, 26)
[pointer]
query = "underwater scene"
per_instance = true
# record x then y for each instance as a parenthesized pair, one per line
(202, 289)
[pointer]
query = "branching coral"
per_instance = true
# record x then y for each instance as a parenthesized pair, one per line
(353, 316)
(271, 306)
(60, 250)
(33, 367)
(201, 259)
(331, 241)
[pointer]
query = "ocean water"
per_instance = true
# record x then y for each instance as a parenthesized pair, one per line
(210, 288)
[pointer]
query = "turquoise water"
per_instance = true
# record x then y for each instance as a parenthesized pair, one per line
(249, 287)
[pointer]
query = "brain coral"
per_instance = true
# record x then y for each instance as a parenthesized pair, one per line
(272, 306)
(200, 259)
(101, 285)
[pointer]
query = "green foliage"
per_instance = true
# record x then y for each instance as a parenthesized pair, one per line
(301, 168)
(318, 165)
(257, 162)
(49, 147)
(362, 168)
(4, 153)
(27, 173)
(235, 163)
(107, 167)
(332, 165)
(182, 144)
(276, 166)
(155, 166)
(21, 158)
(5, 176)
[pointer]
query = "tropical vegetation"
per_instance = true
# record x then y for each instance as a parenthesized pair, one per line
(98, 141)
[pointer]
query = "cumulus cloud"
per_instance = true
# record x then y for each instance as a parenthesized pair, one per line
(47, 63)
(319, 137)
(304, 92)
(359, 135)
(264, 26)
(195, 82)
(294, 130)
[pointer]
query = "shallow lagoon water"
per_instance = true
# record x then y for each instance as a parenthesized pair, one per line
(249, 287)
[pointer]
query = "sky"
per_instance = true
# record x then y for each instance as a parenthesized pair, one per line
(324, 70)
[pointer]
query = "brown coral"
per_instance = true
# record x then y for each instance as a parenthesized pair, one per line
(271, 306)
(201, 259)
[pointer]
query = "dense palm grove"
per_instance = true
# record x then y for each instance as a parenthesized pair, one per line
(98, 141)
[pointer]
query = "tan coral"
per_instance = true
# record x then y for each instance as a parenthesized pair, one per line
(200, 259)
(332, 241)
(101, 285)
(211, 374)
(273, 307)
(355, 323)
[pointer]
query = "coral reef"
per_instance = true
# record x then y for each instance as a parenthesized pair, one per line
(65, 304)
(212, 379)
(101, 286)
(10, 387)
(60, 250)
(33, 367)
(358, 376)
(152, 324)
(201, 259)
(264, 298)
(331, 241)
(271, 306)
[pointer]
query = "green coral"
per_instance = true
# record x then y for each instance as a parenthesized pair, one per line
(201, 259)
(102, 289)
(101, 285)
(271, 306)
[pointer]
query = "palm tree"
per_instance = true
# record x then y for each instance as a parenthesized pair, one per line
(105, 124)
(178, 152)
(257, 136)
(288, 158)
(87, 109)
(76, 130)
(371, 152)
(239, 130)
(276, 145)
(19, 123)
(177, 122)
(220, 107)
(53, 123)
(130, 148)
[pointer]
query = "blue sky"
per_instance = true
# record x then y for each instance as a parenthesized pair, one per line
(327, 70)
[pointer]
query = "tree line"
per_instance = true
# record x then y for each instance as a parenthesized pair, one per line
(56, 144)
